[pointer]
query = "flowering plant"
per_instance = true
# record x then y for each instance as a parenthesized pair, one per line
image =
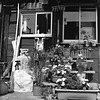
(81, 63)
(55, 55)
(75, 46)
(39, 59)
(74, 81)
(88, 43)
(56, 62)
(71, 81)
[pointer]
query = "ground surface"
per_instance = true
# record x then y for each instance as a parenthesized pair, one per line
(24, 96)
(20, 96)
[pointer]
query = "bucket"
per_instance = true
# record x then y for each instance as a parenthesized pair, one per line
(37, 91)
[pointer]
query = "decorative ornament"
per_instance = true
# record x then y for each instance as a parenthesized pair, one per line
(39, 44)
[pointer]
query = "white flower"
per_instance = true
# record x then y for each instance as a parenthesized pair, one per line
(47, 61)
(63, 79)
(58, 71)
(54, 66)
(93, 44)
(58, 80)
(68, 66)
(57, 45)
(83, 82)
(44, 69)
(88, 85)
(80, 55)
(59, 65)
(63, 84)
(63, 72)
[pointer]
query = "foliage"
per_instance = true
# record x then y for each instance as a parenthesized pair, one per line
(69, 81)
(72, 81)
(88, 43)
(81, 63)
(56, 61)
(55, 55)
(59, 65)
(39, 62)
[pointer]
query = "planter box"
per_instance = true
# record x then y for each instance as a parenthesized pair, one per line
(67, 94)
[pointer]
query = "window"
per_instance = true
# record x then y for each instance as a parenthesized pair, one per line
(28, 24)
(44, 23)
(37, 24)
(78, 20)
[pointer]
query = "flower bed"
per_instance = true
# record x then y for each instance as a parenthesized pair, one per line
(65, 94)
(58, 69)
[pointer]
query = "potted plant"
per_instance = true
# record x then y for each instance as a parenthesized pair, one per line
(74, 86)
(56, 62)
(39, 61)
(88, 43)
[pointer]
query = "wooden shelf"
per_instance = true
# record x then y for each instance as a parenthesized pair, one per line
(85, 60)
(36, 35)
(87, 72)
(71, 90)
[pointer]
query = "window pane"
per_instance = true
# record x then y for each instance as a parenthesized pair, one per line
(71, 31)
(28, 23)
(71, 23)
(88, 23)
(44, 23)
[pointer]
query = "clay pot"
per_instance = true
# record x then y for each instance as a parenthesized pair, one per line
(4, 89)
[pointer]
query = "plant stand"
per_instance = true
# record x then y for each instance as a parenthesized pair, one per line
(67, 94)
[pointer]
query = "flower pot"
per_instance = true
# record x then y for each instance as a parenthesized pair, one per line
(4, 89)
(68, 94)
(37, 91)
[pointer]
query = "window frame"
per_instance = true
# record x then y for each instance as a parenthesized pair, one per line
(45, 35)
(35, 34)
(69, 41)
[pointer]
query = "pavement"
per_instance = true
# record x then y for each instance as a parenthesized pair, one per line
(26, 96)
(20, 96)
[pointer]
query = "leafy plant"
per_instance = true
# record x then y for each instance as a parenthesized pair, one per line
(71, 81)
(88, 42)
(39, 62)
(56, 62)
(59, 65)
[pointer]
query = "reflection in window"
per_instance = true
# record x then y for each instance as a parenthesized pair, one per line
(88, 22)
(28, 23)
(71, 23)
(43, 23)
(37, 23)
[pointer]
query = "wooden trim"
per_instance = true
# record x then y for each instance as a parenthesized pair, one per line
(6, 31)
(1, 38)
